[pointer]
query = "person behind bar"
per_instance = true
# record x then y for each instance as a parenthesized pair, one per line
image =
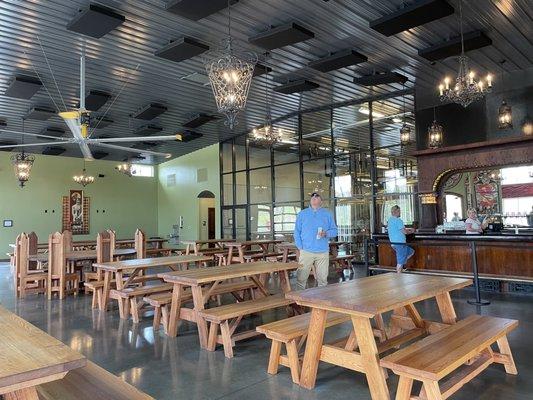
(472, 223)
(314, 225)
(397, 232)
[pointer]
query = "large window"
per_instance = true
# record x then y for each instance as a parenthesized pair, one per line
(142, 170)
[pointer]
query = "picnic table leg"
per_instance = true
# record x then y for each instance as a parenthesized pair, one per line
(105, 291)
(175, 307)
(313, 348)
(446, 308)
(375, 375)
(22, 394)
(241, 254)
(198, 300)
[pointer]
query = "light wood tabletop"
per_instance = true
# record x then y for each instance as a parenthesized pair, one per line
(196, 245)
(264, 244)
(377, 294)
(195, 277)
(79, 255)
(203, 281)
(366, 299)
(29, 357)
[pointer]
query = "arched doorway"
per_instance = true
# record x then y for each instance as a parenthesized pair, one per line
(206, 215)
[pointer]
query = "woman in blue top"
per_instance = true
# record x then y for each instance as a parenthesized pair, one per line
(397, 232)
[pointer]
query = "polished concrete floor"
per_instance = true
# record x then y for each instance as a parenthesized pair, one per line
(176, 368)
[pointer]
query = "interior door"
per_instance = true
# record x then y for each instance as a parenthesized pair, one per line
(211, 223)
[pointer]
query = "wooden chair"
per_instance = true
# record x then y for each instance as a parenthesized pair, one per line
(113, 240)
(447, 360)
(59, 279)
(67, 238)
(94, 281)
(28, 279)
(140, 243)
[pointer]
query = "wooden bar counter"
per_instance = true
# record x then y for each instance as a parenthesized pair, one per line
(507, 257)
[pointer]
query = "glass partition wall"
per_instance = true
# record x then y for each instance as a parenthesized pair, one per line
(351, 155)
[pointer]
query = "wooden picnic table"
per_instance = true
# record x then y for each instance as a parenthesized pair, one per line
(364, 299)
(264, 244)
(196, 245)
(210, 278)
(136, 266)
(78, 255)
(30, 357)
(288, 247)
(157, 242)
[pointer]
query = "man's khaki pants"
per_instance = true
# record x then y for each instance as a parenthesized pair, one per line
(307, 259)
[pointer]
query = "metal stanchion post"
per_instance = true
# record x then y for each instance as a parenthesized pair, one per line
(365, 252)
(478, 301)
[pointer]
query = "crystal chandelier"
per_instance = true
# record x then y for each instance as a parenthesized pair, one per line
(126, 168)
(22, 163)
(83, 179)
(435, 133)
(267, 134)
(466, 89)
(230, 77)
(405, 130)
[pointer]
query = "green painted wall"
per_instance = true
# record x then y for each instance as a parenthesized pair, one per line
(181, 199)
(128, 202)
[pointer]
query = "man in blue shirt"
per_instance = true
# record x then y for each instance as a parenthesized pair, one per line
(314, 225)
(397, 232)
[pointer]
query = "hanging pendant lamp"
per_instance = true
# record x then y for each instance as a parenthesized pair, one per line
(22, 163)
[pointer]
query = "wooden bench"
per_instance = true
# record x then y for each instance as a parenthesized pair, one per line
(262, 256)
(162, 252)
(130, 299)
(90, 383)
(342, 262)
(161, 301)
(464, 346)
(229, 316)
(292, 332)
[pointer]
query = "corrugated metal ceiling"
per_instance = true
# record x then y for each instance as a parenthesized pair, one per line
(337, 24)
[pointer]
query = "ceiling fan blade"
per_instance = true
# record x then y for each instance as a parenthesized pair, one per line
(86, 151)
(135, 139)
(34, 144)
(37, 135)
(129, 149)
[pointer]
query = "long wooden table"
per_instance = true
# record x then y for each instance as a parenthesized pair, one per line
(134, 267)
(264, 244)
(30, 357)
(196, 245)
(364, 299)
(203, 281)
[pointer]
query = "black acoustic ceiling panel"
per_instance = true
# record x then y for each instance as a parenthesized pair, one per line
(23, 87)
(40, 113)
(3, 123)
(96, 99)
(449, 48)
(199, 120)
(100, 123)
(182, 49)
(7, 143)
(145, 145)
(99, 154)
(150, 111)
(281, 36)
(53, 150)
(147, 130)
(53, 131)
(187, 136)
(95, 21)
(261, 69)
(197, 9)
(419, 13)
(338, 60)
(380, 79)
(302, 85)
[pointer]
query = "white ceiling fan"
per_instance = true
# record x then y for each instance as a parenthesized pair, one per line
(79, 121)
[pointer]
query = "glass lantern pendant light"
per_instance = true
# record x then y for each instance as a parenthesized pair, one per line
(126, 168)
(22, 163)
(505, 112)
(435, 133)
(230, 77)
(405, 130)
(466, 89)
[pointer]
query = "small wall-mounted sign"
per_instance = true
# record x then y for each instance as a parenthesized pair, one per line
(8, 223)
